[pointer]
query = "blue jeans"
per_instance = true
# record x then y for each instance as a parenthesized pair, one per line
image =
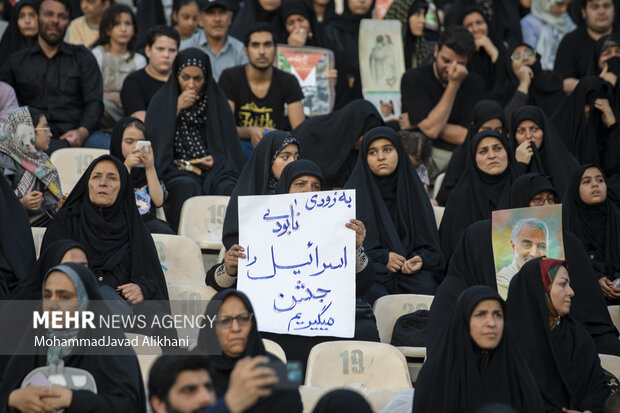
(97, 139)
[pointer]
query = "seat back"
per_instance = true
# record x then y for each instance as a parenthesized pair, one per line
(71, 164)
(37, 237)
(388, 308)
(202, 219)
(614, 312)
(438, 210)
(275, 349)
(610, 363)
(375, 365)
(437, 185)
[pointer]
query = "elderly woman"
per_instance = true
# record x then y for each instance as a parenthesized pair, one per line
(24, 138)
(193, 132)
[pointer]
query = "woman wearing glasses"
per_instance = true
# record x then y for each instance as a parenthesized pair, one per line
(236, 332)
(24, 137)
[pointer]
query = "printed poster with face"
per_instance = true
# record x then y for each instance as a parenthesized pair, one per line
(382, 64)
(310, 65)
(522, 234)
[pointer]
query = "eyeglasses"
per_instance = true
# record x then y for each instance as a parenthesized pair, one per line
(525, 54)
(243, 320)
(540, 200)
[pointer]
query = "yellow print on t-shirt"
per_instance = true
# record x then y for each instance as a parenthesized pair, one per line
(252, 115)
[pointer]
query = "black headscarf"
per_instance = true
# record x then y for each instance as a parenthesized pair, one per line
(138, 175)
(12, 39)
(598, 226)
(417, 51)
(219, 135)
(552, 158)
(564, 360)
(222, 365)
(484, 111)
(296, 169)
(342, 400)
(290, 7)
(118, 246)
(149, 13)
(525, 187)
(328, 140)
(256, 179)
(330, 12)
(17, 253)
(118, 378)
(397, 214)
(252, 12)
(462, 377)
(476, 195)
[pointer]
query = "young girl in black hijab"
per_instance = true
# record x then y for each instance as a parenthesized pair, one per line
(193, 134)
(476, 362)
(402, 238)
(22, 30)
(484, 187)
(596, 221)
(417, 51)
(558, 350)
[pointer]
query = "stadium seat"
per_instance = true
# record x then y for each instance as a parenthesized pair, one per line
(374, 365)
(146, 354)
(310, 396)
(181, 261)
(438, 214)
(437, 185)
(610, 363)
(202, 219)
(275, 349)
(71, 164)
(614, 312)
(37, 236)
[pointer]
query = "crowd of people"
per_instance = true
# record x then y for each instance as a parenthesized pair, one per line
(513, 104)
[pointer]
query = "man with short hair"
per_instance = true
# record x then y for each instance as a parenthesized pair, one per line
(258, 92)
(223, 50)
(182, 384)
(162, 45)
(437, 98)
(61, 80)
(575, 50)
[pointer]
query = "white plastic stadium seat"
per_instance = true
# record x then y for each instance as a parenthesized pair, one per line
(202, 219)
(37, 237)
(437, 185)
(71, 164)
(374, 365)
(614, 312)
(275, 349)
(610, 363)
(438, 210)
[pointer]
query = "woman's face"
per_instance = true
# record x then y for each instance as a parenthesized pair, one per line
(382, 157)
(187, 19)
(75, 255)
(191, 78)
(491, 156)
(59, 294)
(521, 56)
(234, 335)
(529, 131)
(305, 183)
(131, 136)
(416, 23)
(474, 22)
(270, 5)
(593, 188)
(608, 53)
(359, 7)
(543, 198)
(295, 22)
(42, 135)
(559, 7)
(104, 184)
(561, 292)
(287, 155)
(486, 324)
(123, 30)
(492, 124)
(27, 21)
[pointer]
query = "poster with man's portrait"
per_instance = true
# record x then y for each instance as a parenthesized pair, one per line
(522, 234)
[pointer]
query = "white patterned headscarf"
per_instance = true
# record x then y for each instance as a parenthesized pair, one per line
(552, 33)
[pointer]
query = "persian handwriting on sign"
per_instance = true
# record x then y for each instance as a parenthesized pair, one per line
(327, 201)
(319, 295)
(284, 223)
(317, 324)
(313, 257)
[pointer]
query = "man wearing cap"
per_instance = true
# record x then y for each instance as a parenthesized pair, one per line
(223, 50)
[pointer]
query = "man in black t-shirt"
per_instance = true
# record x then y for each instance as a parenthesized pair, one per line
(162, 45)
(258, 92)
(437, 98)
(575, 50)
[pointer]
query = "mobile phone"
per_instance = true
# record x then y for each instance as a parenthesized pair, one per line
(289, 375)
(143, 144)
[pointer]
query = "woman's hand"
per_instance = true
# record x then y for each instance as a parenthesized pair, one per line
(30, 399)
(606, 287)
(131, 292)
(32, 200)
(607, 113)
(524, 152)
(231, 259)
(395, 262)
(204, 163)
(186, 99)
(146, 157)
(487, 44)
(64, 400)
(360, 231)
(298, 37)
(132, 159)
(412, 265)
(332, 74)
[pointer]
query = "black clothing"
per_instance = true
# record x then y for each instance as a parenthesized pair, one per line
(149, 13)
(564, 359)
(17, 253)
(138, 90)
(12, 39)
(67, 88)
(328, 140)
(119, 248)
(295, 169)
(253, 12)
(476, 195)
(484, 111)
(398, 217)
(573, 57)
(552, 158)
(217, 132)
(526, 187)
(290, 7)
(341, 400)
(222, 365)
(421, 91)
(417, 50)
(253, 111)
(461, 376)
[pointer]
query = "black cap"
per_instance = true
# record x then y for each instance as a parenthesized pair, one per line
(209, 4)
